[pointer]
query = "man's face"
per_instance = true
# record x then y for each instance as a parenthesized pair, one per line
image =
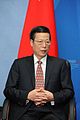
(41, 44)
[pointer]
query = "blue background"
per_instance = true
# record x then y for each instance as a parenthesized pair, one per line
(67, 15)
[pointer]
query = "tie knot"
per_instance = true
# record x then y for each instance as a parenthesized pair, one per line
(39, 62)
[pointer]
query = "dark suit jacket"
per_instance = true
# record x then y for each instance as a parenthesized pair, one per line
(21, 80)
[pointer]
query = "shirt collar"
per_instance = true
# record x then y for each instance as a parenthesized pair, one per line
(43, 60)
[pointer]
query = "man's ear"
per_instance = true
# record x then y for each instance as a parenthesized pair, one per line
(31, 42)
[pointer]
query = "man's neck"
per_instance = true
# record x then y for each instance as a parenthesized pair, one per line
(39, 58)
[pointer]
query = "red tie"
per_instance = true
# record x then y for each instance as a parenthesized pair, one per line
(39, 76)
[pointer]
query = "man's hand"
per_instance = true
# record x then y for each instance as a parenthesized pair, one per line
(49, 95)
(40, 96)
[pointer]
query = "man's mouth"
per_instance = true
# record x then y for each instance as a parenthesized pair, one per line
(43, 51)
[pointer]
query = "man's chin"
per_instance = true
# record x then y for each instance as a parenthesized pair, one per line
(43, 55)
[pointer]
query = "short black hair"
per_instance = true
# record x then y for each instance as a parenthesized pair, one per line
(39, 29)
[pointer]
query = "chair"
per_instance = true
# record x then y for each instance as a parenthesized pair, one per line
(0, 112)
(72, 115)
(70, 109)
(5, 110)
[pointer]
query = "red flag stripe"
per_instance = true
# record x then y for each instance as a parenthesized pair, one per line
(40, 12)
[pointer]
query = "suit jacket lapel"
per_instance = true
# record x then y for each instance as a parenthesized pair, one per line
(48, 70)
(31, 70)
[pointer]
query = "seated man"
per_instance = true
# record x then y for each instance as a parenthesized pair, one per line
(39, 86)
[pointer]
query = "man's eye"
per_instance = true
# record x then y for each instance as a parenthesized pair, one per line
(40, 41)
(47, 42)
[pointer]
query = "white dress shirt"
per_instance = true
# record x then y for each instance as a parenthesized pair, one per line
(43, 65)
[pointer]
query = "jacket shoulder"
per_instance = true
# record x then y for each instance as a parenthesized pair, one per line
(28, 58)
(58, 60)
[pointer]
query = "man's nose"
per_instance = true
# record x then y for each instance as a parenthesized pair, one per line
(44, 44)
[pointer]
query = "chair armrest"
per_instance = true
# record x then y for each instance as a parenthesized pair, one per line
(5, 110)
(72, 109)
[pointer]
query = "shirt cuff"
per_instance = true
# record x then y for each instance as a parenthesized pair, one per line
(52, 103)
(27, 101)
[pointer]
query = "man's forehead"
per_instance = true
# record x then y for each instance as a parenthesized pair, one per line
(42, 35)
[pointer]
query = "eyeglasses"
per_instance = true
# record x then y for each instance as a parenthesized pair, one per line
(40, 42)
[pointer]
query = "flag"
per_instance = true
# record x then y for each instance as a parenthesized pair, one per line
(39, 12)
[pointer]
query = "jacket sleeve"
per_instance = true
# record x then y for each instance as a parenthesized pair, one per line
(12, 91)
(66, 91)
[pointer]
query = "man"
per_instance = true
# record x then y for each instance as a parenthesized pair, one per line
(39, 86)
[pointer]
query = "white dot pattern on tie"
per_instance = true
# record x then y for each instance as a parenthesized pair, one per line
(39, 76)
